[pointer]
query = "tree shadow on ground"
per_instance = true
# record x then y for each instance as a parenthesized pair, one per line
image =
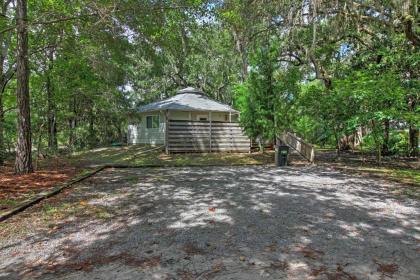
(225, 223)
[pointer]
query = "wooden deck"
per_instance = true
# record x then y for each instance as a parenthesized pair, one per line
(205, 136)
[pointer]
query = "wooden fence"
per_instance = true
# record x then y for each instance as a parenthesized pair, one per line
(266, 144)
(205, 136)
(303, 148)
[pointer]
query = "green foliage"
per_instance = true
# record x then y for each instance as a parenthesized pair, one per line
(399, 142)
(267, 99)
(257, 97)
(284, 65)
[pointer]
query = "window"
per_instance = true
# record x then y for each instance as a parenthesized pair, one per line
(152, 121)
(202, 117)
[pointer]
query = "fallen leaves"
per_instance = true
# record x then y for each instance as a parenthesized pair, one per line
(186, 275)
(280, 265)
(309, 252)
(14, 189)
(337, 274)
(192, 249)
(218, 266)
(340, 274)
(387, 270)
(143, 263)
(318, 271)
(15, 186)
(206, 274)
(51, 266)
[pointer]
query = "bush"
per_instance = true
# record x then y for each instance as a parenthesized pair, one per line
(398, 142)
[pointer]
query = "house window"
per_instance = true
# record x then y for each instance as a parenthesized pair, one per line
(202, 117)
(152, 121)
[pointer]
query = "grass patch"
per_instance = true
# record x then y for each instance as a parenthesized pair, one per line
(49, 209)
(103, 214)
(405, 176)
(7, 203)
(135, 155)
(131, 179)
(80, 209)
(84, 172)
(409, 177)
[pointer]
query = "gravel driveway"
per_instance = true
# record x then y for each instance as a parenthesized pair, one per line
(216, 223)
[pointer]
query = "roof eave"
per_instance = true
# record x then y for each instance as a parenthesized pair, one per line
(192, 110)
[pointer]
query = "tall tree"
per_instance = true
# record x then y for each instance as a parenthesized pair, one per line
(23, 163)
(6, 73)
(51, 114)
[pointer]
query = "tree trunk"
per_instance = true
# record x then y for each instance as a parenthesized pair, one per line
(337, 145)
(385, 146)
(120, 134)
(52, 122)
(92, 140)
(4, 79)
(23, 163)
(271, 96)
(241, 49)
(376, 133)
(413, 130)
(38, 146)
(2, 147)
(72, 123)
(413, 139)
(2, 58)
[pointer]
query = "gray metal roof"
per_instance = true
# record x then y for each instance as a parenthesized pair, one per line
(187, 99)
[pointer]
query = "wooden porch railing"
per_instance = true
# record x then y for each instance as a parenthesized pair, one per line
(205, 136)
(298, 144)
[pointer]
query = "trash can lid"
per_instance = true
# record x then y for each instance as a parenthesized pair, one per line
(283, 147)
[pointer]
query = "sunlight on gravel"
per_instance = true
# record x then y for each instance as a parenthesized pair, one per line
(250, 222)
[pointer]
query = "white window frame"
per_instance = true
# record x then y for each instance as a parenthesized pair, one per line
(202, 116)
(152, 116)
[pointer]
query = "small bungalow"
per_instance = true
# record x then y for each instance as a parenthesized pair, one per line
(189, 122)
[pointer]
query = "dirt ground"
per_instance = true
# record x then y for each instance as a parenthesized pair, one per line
(15, 189)
(54, 170)
(253, 222)
(51, 171)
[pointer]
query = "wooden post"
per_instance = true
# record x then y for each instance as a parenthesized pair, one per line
(231, 142)
(210, 148)
(166, 131)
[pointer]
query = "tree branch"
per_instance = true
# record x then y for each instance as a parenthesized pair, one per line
(409, 32)
(6, 111)
(7, 77)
